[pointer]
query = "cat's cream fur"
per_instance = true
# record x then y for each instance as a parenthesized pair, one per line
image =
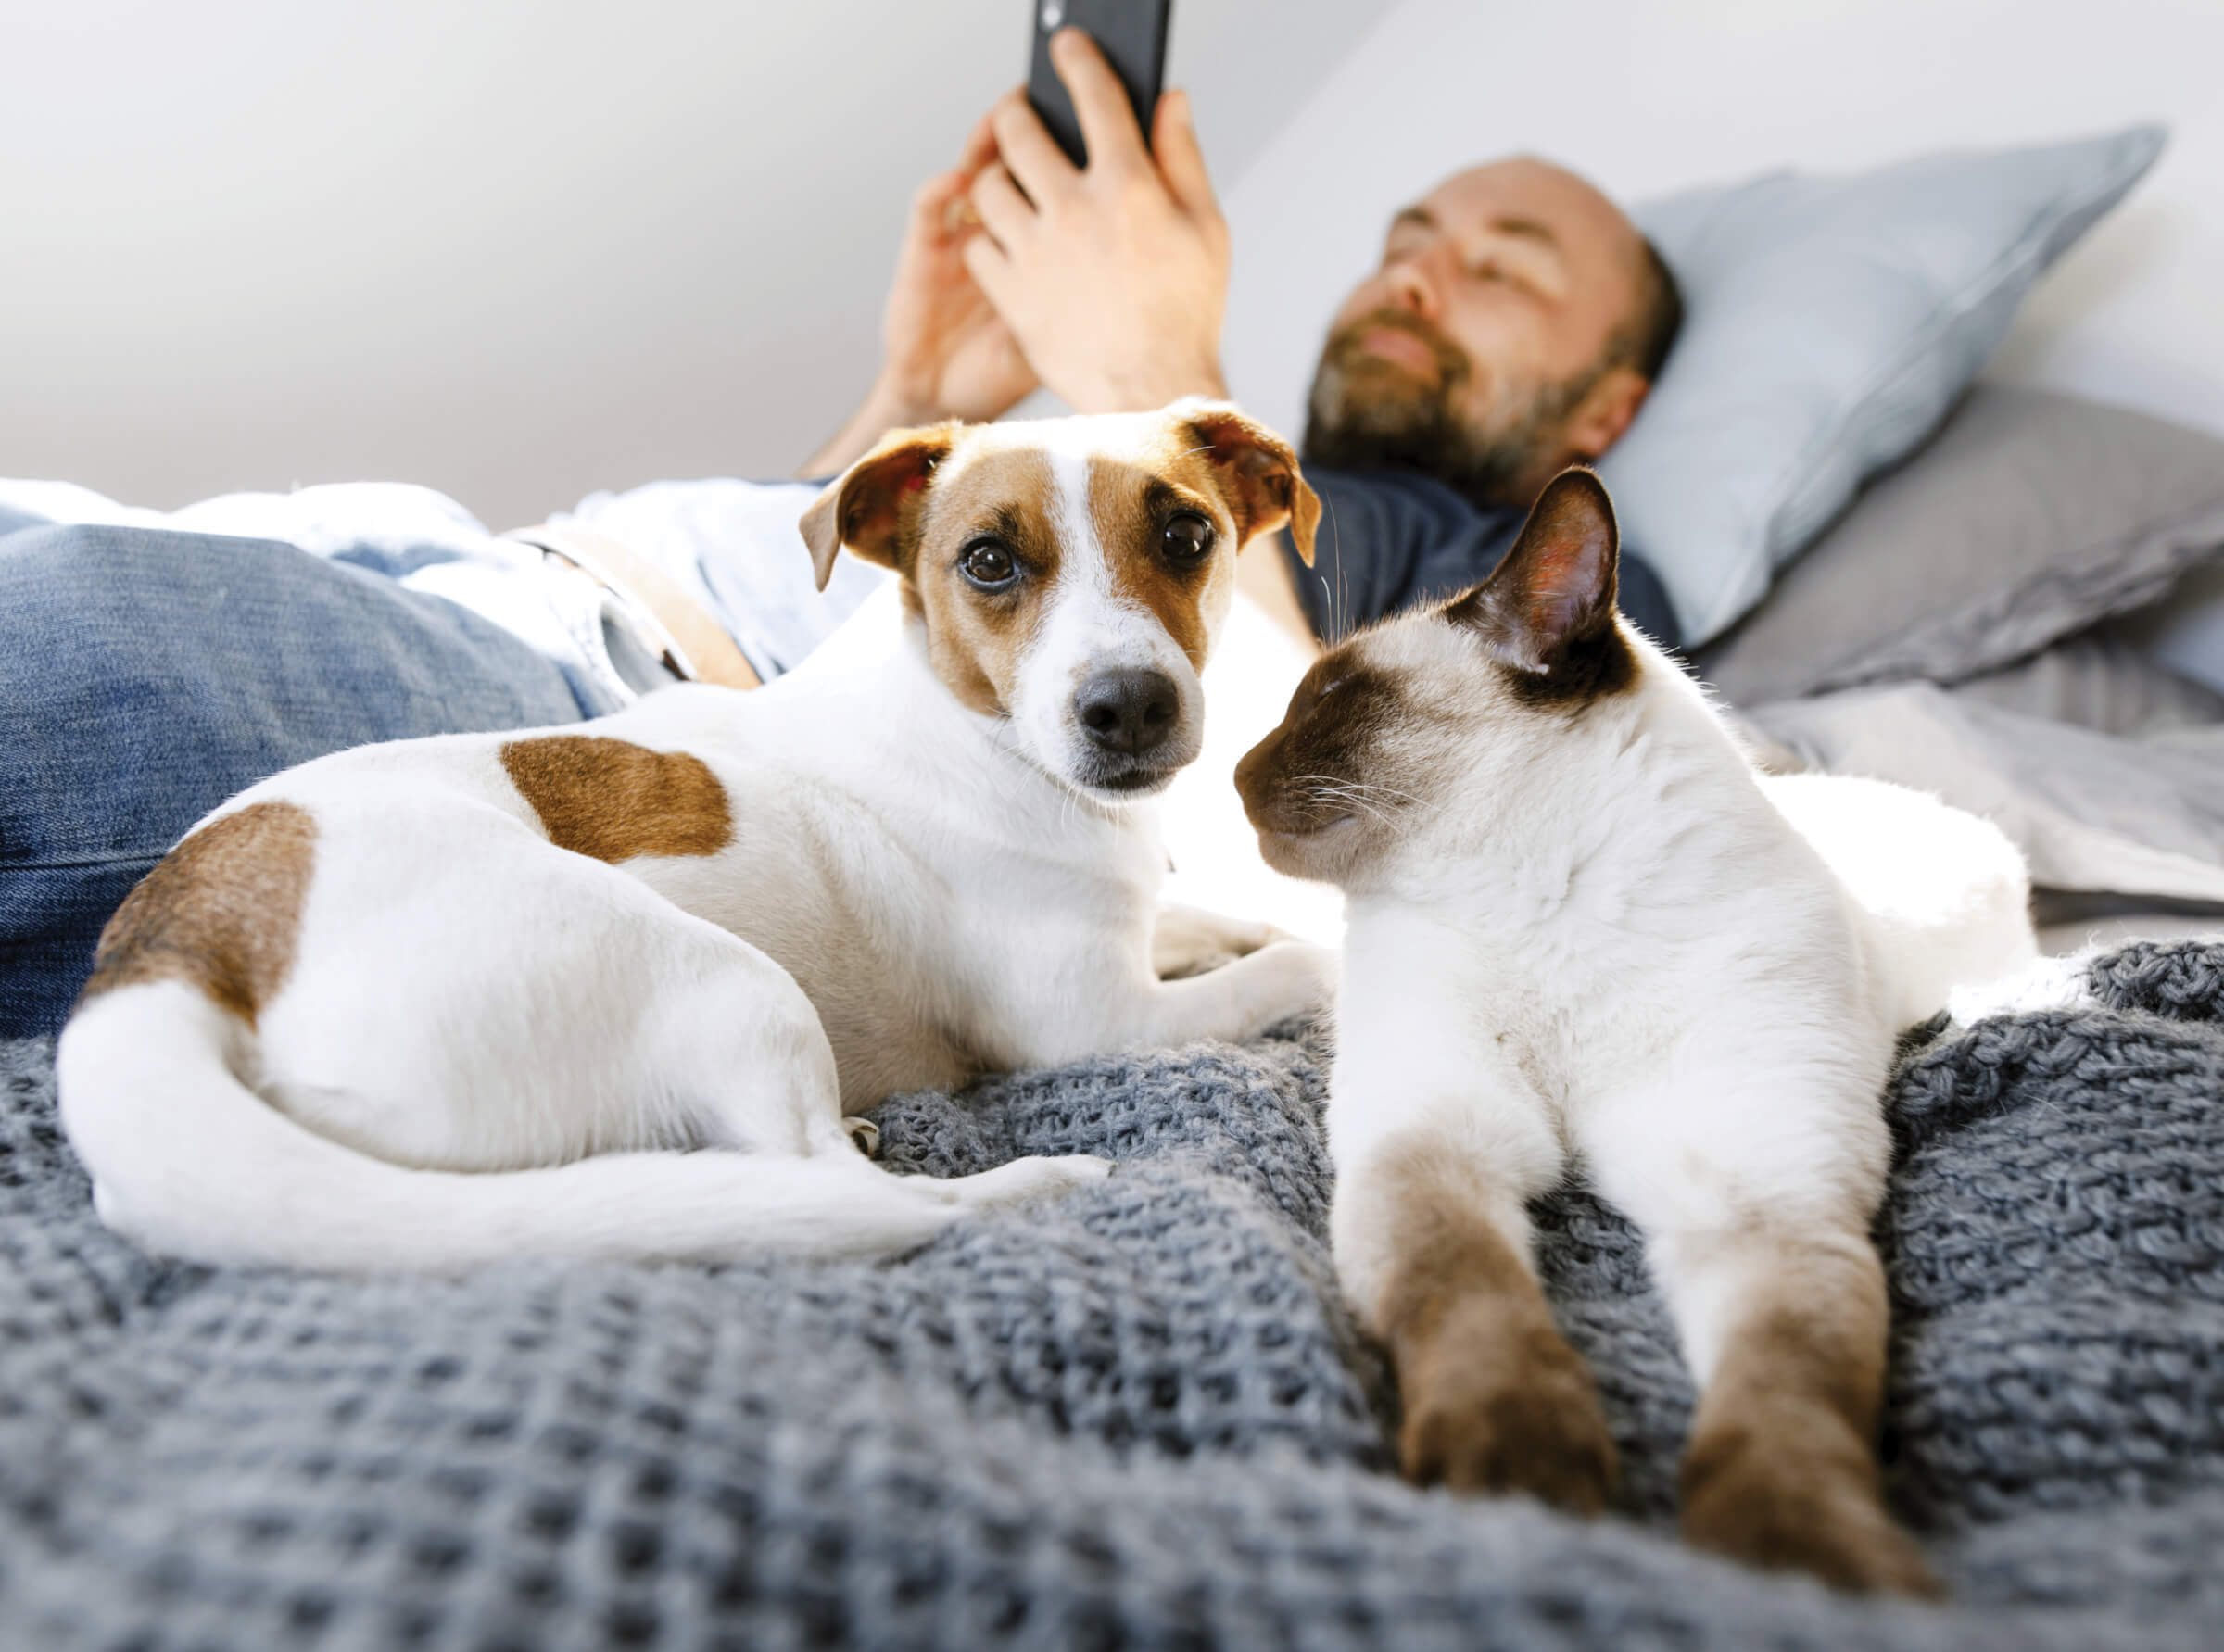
(1582, 930)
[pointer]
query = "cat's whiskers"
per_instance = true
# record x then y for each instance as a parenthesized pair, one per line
(1330, 796)
(1345, 787)
(1329, 789)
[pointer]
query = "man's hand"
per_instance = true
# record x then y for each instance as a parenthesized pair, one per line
(946, 352)
(949, 356)
(1113, 279)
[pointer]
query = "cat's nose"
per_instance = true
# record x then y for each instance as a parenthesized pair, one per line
(1127, 710)
(1252, 776)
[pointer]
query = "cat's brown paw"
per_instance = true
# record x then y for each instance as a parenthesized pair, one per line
(1782, 1505)
(1499, 1408)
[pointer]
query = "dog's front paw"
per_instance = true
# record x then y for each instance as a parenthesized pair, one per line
(1304, 980)
(1189, 941)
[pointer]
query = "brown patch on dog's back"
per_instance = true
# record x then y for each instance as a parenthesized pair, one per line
(222, 911)
(611, 800)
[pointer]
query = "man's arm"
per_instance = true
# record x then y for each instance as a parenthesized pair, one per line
(946, 354)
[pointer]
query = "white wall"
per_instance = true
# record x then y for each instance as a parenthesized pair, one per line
(523, 249)
(1645, 97)
(516, 249)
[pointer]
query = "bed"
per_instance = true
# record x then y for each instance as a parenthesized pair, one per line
(1137, 1419)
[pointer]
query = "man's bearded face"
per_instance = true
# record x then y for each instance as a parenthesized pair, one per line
(1370, 411)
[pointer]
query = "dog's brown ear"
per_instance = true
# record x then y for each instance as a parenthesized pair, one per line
(1257, 472)
(1548, 609)
(873, 506)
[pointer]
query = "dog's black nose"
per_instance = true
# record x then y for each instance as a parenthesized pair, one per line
(1128, 711)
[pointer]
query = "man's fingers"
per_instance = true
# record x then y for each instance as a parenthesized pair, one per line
(1004, 212)
(1027, 150)
(986, 263)
(1181, 159)
(980, 144)
(1107, 119)
(931, 203)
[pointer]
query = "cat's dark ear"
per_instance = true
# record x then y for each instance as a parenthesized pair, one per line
(1548, 609)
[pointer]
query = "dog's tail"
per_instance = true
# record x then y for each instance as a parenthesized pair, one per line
(188, 1161)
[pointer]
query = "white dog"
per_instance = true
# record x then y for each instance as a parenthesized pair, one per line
(427, 1005)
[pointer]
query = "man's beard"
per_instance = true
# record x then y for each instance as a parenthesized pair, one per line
(1366, 413)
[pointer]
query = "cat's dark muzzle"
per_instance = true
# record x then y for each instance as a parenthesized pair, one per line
(1258, 781)
(1288, 817)
(1291, 823)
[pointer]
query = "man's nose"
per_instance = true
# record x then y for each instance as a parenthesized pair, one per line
(1410, 288)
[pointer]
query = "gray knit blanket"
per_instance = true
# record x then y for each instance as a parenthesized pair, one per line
(1137, 1419)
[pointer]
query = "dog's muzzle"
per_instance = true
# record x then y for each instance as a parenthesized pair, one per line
(1128, 712)
(1129, 719)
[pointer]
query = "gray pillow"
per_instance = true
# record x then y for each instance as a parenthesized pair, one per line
(1832, 322)
(2032, 516)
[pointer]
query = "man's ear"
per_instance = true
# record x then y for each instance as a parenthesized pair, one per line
(873, 506)
(1257, 472)
(1605, 413)
(1548, 609)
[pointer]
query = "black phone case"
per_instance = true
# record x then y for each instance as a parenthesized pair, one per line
(1131, 34)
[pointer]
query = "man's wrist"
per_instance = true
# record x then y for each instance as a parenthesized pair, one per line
(1149, 387)
(892, 405)
(886, 407)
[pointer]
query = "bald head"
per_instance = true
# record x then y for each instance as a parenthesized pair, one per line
(1512, 327)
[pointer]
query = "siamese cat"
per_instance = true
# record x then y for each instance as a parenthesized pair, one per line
(1582, 928)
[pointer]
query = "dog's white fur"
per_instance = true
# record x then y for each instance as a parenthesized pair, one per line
(487, 1045)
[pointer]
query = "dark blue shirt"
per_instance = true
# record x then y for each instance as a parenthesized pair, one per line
(1390, 540)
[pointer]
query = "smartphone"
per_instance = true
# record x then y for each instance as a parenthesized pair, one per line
(1131, 34)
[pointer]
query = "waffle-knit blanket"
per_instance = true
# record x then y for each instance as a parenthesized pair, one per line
(1136, 1418)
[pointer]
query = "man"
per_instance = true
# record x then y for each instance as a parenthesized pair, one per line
(157, 665)
(1513, 328)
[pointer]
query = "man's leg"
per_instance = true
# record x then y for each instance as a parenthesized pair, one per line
(149, 675)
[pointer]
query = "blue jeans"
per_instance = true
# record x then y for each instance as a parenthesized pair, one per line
(153, 665)
(146, 675)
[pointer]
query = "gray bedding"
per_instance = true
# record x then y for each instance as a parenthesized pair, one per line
(2010, 619)
(1139, 1419)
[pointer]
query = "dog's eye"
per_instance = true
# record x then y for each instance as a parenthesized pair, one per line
(988, 564)
(1187, 537)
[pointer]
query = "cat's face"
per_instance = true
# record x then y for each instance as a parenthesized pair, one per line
(1402, 742)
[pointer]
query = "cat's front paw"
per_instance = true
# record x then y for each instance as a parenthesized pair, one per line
(1801, 1497)
(1501, 1408)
